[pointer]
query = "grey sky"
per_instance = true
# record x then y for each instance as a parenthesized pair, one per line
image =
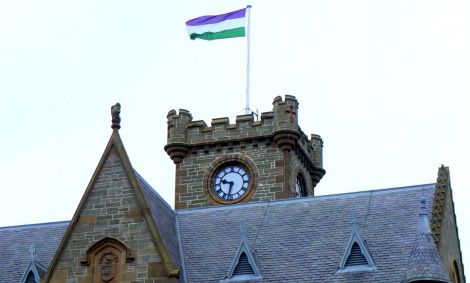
(385, 83)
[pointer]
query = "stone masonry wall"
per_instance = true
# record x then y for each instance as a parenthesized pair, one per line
(449, 241)
(190, 173)
(111, 210)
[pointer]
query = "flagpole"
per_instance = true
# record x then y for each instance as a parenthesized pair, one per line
(247, 108)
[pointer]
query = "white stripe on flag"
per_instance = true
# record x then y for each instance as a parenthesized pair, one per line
(228, 24)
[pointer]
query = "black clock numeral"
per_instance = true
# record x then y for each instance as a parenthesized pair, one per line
(229, 197)
(218, 191)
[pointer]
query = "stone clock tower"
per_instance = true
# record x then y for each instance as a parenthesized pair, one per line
(250, 160)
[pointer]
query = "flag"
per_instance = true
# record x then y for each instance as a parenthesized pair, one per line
(218, 26)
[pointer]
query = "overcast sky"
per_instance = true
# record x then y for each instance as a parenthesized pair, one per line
(385, 83)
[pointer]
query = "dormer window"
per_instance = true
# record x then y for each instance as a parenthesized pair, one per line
(245, 266)
(357, 256)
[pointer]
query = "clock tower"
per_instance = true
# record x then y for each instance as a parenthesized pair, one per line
(247, 161)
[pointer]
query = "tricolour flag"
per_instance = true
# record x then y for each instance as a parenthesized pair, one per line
(218, 26)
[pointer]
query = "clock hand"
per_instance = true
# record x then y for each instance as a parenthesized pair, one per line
(230, 185)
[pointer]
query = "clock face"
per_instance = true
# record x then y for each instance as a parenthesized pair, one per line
(231, 182)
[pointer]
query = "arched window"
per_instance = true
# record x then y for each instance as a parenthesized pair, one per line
(454, 273)
(300, 189)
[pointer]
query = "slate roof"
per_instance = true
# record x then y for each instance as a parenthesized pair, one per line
(303, 240)
(165, 219)
(16, 241)
(296, 240)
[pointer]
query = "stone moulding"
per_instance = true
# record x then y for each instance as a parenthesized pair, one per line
(177, 151)
(107, 242)
(286, 139)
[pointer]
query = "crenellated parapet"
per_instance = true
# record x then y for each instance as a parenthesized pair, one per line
(279, 126)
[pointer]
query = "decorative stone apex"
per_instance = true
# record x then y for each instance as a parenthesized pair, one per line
(116, 119)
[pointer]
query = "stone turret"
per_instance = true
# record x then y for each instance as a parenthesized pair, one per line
(286, 128)
(177, 134)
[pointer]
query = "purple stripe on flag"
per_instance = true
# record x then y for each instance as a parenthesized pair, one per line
(204, 20)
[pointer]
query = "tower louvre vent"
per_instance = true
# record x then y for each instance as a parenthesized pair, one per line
(243, 267)
(356, 257)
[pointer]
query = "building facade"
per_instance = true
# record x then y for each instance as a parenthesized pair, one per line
(245, 211)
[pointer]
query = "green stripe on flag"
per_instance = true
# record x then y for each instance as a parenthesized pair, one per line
(228, 33)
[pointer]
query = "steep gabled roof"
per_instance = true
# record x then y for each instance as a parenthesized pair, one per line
(115, 144)
(16, 241)
(303, 240)
(165, 219)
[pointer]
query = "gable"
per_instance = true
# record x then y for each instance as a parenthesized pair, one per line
(444, 226)
(112, 225)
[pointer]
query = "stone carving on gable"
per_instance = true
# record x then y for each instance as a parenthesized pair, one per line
(107, 264)
(106, 260)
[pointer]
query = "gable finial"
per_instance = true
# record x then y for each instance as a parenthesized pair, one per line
(423, 208)
(32, 252)
(423, 226)
(116, 119)
(354, 221)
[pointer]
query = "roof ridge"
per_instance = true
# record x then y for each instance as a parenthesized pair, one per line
(25, 226)
(305, 199)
